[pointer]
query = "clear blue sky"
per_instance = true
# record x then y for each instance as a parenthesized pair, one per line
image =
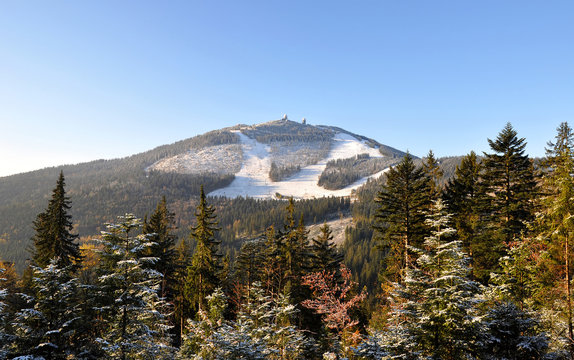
(84, 80)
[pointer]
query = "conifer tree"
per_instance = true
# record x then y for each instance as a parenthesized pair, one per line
(461, 196)
(135, 316)
(53, 237)
(402, 201)
(433, 171)
(509, 191)
(435, 314)
(324, 252)
(159, 229)
(47, 327)
(555, 228)
(203, 276)
(5, 338)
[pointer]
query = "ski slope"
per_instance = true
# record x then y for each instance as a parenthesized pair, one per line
(253, 178)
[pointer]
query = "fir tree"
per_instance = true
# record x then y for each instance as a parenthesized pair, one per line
(461, 196)
(47, 328)
(204, 274)
(402, 201)
(135, 317)
(435, 314)
(555, 231)
(159, 229)
(509, 190)
(433, 171)
(514, 335)
(53, 238)
(5, 338)
(324, 253)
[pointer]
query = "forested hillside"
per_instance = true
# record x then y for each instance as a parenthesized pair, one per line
(473, 264)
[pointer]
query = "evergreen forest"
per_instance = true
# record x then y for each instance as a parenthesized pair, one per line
(458, 258)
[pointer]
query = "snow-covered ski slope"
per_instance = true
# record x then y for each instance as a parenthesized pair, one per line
(253, 178)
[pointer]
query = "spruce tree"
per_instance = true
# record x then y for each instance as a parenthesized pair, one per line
(461, 197)
(47, 327)
(53, 237)
(135, 324)
(204, 274)
(402, 201)
(433, 171)
(324, 253)
(159, 229)
(435, 314)
(555, 228)
(510, 189)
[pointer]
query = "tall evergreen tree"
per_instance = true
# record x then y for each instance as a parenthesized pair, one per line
(461, 196)
(509, 185)
(159, 229)
(433, 171)
(555, 228)
(53, 238)
(325, 256)
(403, 201)
(435, 314)
(47, 327)
(204, 274)
(134, 315)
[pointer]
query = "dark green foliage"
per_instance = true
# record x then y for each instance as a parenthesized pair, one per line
(53, 238)
(133, 315)
(509, 185)
(277, 173)
(403, 201)
(324, 253)
(341, 173)
(47, 327)
(286, 130)
(204, 274)
(506, 201)
(159, 229)
(514, 334)
(433, 171)
(461, 196)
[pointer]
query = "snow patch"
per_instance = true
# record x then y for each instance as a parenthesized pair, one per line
(253, 178)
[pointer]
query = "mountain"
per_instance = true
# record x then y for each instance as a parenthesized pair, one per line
(272, 160)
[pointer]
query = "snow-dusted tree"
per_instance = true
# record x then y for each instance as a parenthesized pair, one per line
(435, 313)
(513, 334)
(5, 338)
(211, 337)
(47, 327)
(135, 325)
(333, 298)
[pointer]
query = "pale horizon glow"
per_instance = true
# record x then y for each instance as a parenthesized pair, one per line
(81, 81)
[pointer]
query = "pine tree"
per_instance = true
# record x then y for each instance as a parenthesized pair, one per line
(135, 316)
(402, 201)
(53, 238)
(204, 274)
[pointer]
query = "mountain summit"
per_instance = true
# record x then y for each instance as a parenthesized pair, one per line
(285, 158)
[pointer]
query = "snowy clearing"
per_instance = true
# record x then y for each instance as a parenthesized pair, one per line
(253, 178)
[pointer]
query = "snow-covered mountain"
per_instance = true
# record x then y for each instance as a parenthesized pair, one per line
(285, 159)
